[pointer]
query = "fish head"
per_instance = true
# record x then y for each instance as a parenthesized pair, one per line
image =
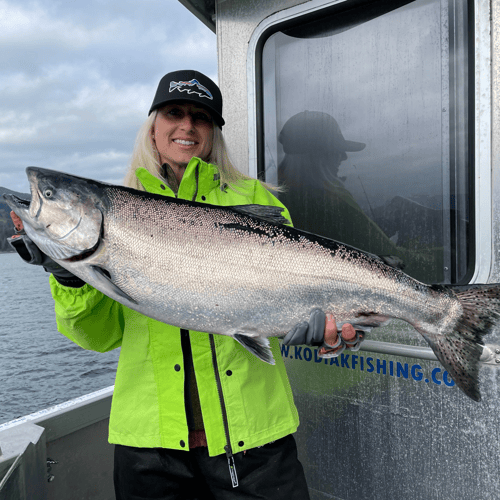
(64, 217)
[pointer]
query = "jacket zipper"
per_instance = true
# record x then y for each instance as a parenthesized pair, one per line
(188, 362)
(227, 448)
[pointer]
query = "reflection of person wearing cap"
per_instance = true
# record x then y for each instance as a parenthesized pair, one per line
(318, 133)
(316, 197)
(194, 416)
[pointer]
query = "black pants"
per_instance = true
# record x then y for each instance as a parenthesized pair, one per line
(271, 472)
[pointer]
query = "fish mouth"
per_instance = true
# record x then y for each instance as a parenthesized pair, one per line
(16, 203)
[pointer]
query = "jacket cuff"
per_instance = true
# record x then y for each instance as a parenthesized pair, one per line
(69, 282)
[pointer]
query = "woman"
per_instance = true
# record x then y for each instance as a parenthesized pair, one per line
(179, 390)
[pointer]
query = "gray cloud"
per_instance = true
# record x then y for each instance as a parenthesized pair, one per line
(78, 77)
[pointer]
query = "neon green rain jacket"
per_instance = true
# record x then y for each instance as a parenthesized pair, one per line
(148, 407)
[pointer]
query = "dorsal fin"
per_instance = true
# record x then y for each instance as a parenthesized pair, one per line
(265, 212)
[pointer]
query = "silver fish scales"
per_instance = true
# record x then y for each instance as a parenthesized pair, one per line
(239, 271)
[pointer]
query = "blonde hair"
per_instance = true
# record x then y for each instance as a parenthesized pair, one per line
(145, 155)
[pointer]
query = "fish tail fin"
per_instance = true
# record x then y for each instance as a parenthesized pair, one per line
(459, 351)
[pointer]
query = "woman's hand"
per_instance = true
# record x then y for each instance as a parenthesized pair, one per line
(18, 224)
(334, 343)
(321, 330)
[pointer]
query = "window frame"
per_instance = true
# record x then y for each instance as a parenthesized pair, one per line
(481, 106)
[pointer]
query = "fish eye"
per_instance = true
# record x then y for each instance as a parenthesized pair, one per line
(48, 193)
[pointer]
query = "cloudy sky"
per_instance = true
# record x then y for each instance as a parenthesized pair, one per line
(77, 79)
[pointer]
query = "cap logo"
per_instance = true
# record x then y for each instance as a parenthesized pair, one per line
(191, 87)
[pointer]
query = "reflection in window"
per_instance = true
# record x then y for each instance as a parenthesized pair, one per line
(367, 125)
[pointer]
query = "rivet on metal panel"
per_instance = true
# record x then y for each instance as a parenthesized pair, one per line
(497, 360)
(497, 351)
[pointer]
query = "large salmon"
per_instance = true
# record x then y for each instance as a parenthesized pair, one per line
(239, 271)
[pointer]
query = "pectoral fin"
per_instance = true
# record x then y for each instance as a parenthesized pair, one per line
(258, 346)
(103, 276)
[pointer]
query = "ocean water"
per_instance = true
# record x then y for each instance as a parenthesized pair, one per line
(39, 367)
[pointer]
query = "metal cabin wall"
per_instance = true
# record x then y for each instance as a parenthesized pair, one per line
(376, 426)
(495, 138)
(236, 21)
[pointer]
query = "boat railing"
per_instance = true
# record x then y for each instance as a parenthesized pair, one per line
(57, 453)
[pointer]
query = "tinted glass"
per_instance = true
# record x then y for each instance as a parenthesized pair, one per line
(367, 119)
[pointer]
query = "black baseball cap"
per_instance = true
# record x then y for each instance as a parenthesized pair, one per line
(192, 86)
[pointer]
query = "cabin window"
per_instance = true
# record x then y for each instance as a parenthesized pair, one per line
(367, 121)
